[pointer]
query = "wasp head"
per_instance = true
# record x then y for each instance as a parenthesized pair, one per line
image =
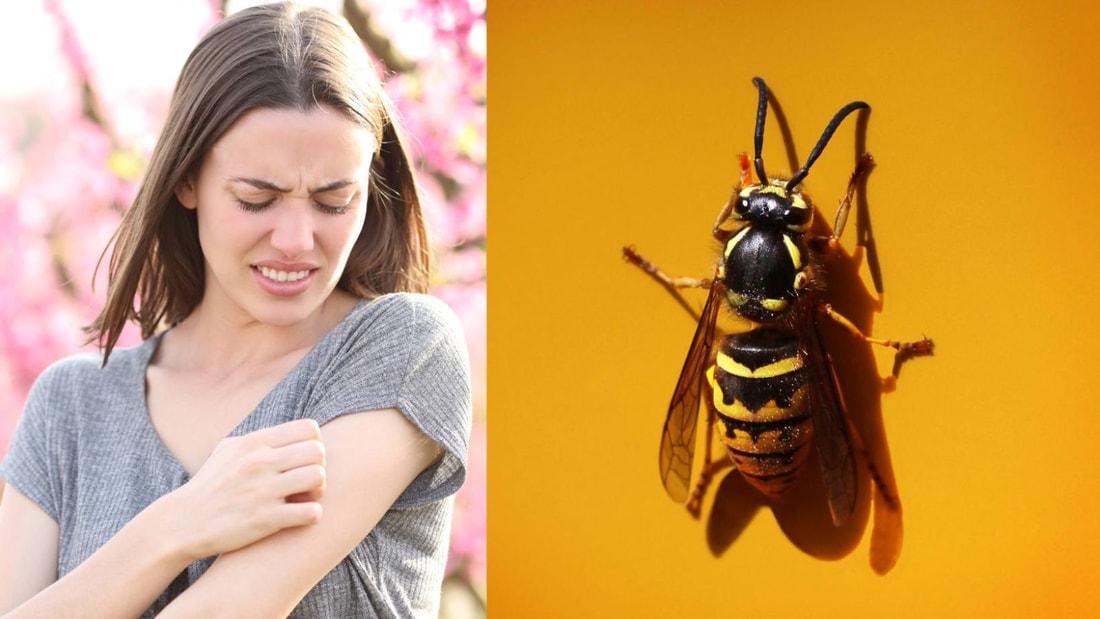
(773, 206)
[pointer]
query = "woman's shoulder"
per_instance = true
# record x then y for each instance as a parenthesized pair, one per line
(74, 389)
(405, 315)
(70, 371)
(82, 371)
(407, 305)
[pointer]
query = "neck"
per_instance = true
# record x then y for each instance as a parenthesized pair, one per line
(220, 341)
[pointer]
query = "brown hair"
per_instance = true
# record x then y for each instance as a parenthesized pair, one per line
(274, 56)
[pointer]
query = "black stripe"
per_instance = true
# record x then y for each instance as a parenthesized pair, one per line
(786, 456)
(756, 349)
(759, 347)
(754, 393)
(787, 476)
(755, 428)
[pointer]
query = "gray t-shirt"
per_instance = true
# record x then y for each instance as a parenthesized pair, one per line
(86, 451)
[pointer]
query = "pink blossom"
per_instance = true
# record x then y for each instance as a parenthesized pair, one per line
(468, 546)
(469, 302)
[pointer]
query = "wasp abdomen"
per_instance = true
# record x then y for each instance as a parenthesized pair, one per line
(760, 396)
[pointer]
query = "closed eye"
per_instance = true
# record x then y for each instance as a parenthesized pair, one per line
(332, 210)
(334, 202)
(253, 207)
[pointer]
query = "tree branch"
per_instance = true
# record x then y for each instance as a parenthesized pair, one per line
(379, 45)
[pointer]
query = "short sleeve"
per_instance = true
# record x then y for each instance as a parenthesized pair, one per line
(407, 352)
(31, 464)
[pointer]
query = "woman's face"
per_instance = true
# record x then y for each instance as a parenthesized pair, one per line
(281, 199)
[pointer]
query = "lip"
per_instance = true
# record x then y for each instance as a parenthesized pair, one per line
(286, 266)
(283, 289)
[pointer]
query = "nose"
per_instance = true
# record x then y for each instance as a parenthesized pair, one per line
(293, 228)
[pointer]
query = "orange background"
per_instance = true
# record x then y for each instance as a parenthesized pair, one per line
(619, 122)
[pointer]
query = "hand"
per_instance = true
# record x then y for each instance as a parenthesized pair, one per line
(250, 487)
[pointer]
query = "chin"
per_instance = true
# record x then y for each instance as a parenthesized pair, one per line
(284, 312)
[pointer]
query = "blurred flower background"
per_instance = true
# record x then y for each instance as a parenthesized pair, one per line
(84, 87)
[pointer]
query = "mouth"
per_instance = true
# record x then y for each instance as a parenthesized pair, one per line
(282, 276)
(280, 283)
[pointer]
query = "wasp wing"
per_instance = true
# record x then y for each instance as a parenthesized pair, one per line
(678, 437)
(831, 434)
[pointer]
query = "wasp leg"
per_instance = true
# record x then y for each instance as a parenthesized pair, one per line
(694, 503)
(864, 166)
(672, 284)
(865, 239)
(886, 537)
(905, 350)
(721, 233)
(888, 496)
(829, 243)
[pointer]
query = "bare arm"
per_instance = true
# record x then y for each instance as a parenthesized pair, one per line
(371, 458)
(137, 556)
(237, 497)
(29, 538)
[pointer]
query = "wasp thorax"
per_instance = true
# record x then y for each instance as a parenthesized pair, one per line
(763, 266)
(772, 205)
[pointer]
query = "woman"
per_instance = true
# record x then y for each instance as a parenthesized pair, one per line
(287, 446)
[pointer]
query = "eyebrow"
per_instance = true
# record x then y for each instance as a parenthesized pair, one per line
(269, 186)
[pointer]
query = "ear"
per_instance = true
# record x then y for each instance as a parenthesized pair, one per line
(187, 194)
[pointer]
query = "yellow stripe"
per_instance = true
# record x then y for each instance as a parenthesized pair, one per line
(736, 299)
(792, 249)
(774, 305)
(776, 189)
(771, 411)
(770, 441)
(798, 202)
(778, 368)
(734, 241)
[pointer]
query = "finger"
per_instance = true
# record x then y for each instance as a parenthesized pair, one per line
(287, 433)
(296, 514)
(307, 480)
(312, 495)
(294, 455)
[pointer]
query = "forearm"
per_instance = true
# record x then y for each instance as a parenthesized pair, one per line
(238, 497)
(121, 579)
(380, 450)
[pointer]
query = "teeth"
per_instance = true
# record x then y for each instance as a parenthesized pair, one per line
(282, 276)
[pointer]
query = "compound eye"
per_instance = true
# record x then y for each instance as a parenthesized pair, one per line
(797, 217)
(741, 203)
(798, 214)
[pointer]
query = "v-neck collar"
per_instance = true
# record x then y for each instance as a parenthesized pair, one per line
(148, 349)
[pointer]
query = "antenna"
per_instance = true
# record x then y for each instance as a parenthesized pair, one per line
(758, 138)
(825, 136)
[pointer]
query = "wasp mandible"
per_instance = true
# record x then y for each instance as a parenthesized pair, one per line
(771, 389)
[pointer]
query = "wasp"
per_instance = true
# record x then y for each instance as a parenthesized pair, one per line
(771, 390)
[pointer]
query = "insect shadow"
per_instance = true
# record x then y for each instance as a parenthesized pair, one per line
(803, 513)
